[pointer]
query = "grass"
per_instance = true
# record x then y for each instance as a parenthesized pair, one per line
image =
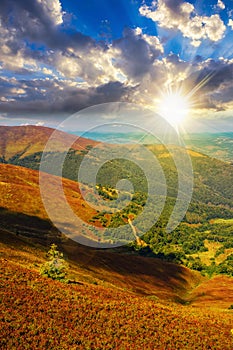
(210, 254)
(20, 192)
(120, 302)
(144, 276)
(23, 141)
(222, 221)
(38, 313)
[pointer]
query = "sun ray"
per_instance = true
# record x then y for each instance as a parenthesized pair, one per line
(174, 107)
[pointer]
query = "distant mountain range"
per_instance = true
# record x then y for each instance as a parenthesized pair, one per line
(215, 145)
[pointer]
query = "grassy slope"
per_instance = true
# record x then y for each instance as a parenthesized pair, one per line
(135, 274)
(213, 178)
(27, 140)
(20, 192)
(24, 214)
(38, 313)
(119, 312)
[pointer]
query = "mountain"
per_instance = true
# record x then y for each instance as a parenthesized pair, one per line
(112, 298)
(115, 296)
(19, 142)
(201, 239)
(24, 146)
(20, 195)
(215, 145)
(25, 222)
(26, 233)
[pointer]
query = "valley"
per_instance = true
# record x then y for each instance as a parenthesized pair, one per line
(183, 278)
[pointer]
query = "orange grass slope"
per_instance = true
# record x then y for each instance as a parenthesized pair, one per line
(38, 313)
(142, 276)
(20, 195)
(27, 140)
(20, 192)
(138, 275)
(214, 293)
(20, 198)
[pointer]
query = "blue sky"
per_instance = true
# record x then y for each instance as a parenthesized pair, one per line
(58, 57)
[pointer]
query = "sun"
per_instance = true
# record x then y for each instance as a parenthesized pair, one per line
(174, 107)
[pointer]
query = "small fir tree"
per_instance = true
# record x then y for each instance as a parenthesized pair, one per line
(56, 267)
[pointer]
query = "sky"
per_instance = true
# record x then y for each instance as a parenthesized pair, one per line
(58, 57)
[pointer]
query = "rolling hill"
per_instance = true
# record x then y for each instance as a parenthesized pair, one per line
(116, 298)
(39, 313)
(20, 142)
(25, 225)
(212, 196)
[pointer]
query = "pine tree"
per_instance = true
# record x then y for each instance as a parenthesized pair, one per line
(56, 267)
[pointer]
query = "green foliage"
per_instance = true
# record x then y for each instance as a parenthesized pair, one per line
(196, 264)
(56, 267)
(220, 251)
(212, 199)
(226, 267)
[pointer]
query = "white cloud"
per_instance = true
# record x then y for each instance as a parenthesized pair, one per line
(12, 54)
(40, 123)
(92, 67)
(18, 91)
(16, 61)
(47, 71)
(3, 99)
(181, 16)
(214, 27)
(221, 4)
(54, 9)
(154, 42)
(230, 23)
(67, 66)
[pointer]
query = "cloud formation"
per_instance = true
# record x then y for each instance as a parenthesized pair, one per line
(135, 52)
(179, 15)
(39, 22)
(48, 67)
(221, 4)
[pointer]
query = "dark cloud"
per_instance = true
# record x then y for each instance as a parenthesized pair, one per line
(212, 81)
(173, 5)
(31, 21)
(224, 95)
(47, 96)
(212, 75)
(198, 59)
(10, 8)
(137, 55)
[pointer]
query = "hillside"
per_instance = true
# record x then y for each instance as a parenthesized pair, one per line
(19, 142)
(96, 313)
(20, 193)
(216, 145)
(23, 217)
(189, 243)
(24, 146)
(116, 298)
